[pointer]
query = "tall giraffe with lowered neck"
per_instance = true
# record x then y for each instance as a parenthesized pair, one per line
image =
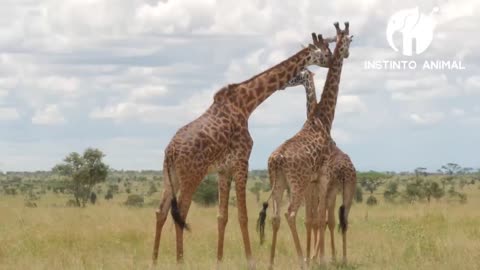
(304, 158)
(219, 141)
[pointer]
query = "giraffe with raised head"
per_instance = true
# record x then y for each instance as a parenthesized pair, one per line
(303, 159)
(342, 176)
(219, 141)
(341, 173)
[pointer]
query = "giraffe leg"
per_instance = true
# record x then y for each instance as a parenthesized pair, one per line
(315, 229)
(184, 202)
(291, 215)
(308, 229)
(348, 195)
(331, 197)
(240, 176)
(320, 249)
(277, 195)
(222, 219)
(309, 196)
(161, 216)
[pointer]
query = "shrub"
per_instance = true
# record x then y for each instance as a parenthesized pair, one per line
(152, 189)
(109, 195)
(134, 200)
(358, 194)
(93, 198)
(391, 192)
(71, 203)
(207, 192)
(30, 204)
(371, 200)
(153, 203)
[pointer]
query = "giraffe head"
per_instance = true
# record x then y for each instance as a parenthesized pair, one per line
(343, 40)
(320, 54)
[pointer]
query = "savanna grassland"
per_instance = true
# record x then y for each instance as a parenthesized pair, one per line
(443, 234)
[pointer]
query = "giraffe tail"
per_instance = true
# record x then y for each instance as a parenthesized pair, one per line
(347, 197)
(174, 209)
(343, 219)
(262, 216)
(177, 217)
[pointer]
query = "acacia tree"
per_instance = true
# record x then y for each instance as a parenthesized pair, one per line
(83, 172)
(449, 169)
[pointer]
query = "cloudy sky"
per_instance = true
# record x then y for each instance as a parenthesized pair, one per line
(124, 75)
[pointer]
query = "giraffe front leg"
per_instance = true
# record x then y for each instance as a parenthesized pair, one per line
(240, 175)
(222, 219)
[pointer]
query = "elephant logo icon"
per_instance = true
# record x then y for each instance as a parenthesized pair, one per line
(416, 29)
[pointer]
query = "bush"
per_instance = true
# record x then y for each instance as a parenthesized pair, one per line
(93, 198)
(153, 203)
(134, 200)
(372, 200)
(152, 189)
(358, 194)
(391, 192)
(109, 195)
(71, 203)
(207, 192)
(30, 204)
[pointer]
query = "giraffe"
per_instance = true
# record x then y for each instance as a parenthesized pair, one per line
(219, 141)
(341, 173)
(304, 158)
(342, 176)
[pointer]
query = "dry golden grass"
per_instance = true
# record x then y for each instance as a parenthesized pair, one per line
(111, 236)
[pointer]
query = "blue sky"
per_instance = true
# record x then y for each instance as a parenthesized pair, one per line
(123, 76)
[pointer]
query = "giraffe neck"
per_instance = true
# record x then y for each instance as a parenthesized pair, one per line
(249, 94)
(311, 95)
(325, 109)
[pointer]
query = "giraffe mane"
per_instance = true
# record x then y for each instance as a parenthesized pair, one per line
(267, 70)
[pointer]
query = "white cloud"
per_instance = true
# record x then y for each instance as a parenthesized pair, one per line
(172, 114)
(426, 119)
(8, 114)
(341, 136)
(457, 112)
(348, 104)
(422, 88)
(67, 87)
(472, 84)
(50, 115)
(147, 92)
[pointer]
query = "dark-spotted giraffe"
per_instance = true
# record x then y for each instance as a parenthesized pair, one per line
(219, 141)
(304, 158)
(342, 176)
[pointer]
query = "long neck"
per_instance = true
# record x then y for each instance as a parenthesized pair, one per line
(311, 95)
(251, 93)
(325, 109)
